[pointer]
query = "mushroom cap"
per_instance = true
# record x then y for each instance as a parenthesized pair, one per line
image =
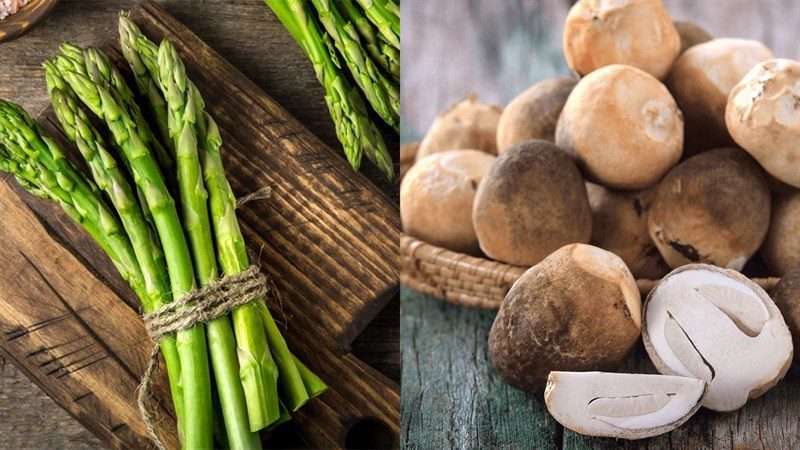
(763, 117)
(531, 203)
(468, 124)
(690, 33)
(781, 248)
(622, 405)
(436, 198)
(622, 126)
(714, 324)
(786, 295)
(701, 80)
(619, 225)
(712, 208)
(579, 309)
(637, 33)
(533, 114)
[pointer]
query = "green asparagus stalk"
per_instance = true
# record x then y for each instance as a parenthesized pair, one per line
(381, 93)
(314, 385)
(145, 83)
(40, 161)
(385, 15)
(386, 56)
(182, 118)
(77, 127)
(102, 99)
(292, 386)
(358, 135)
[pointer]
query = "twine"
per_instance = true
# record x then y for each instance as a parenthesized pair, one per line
(200, 306)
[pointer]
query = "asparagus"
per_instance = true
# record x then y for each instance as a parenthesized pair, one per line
(359, 136)
(385, 15)
(145, 83)
(381, 93)
(183, 115)
(32, 156)
(102, 99)
(383, 54)
(149, 255)
(95, 65)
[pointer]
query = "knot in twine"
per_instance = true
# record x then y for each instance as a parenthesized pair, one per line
(200, 306)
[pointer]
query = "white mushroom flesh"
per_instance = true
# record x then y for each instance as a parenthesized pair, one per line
(628, 406)
(703, 323)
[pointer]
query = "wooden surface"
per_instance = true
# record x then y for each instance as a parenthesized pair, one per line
(451, 397)
(25, 19)
(333, 209)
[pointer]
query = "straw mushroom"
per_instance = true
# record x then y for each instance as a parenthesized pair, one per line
(636, 33)
(531, 203)
(469, 124)
(579, 309)
(786, 295)
(691, 34)
(763, 117)
(781, 248)
(712, 208)
(436, 198)
(701, 80)
(716, 325)
(622, 405)
(619, 225)
(622, 126)
(534, 113)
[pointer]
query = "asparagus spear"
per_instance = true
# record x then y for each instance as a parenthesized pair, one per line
(359, 136)
(385, 15)
(386, 56)
(102, 99)
(182, 118)
(381, 93)
(37, 159)
(145, 83)
(109, 178)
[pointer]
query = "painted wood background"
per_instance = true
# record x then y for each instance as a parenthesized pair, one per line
(450, 396)
(245, 33)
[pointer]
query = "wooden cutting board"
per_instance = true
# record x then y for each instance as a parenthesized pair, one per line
(328, 237)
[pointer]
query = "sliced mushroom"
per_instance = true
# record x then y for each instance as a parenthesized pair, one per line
(714, 324)
(621, 405)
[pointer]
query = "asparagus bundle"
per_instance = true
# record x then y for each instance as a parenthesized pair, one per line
(356, 131)
(161, 253)
(381, 93)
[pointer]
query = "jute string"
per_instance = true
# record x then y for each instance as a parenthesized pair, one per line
(200, 306)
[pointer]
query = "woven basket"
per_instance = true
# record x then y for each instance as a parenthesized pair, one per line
(468, 280)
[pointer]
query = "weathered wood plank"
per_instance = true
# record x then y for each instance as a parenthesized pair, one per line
(68, 331)
(451, 397)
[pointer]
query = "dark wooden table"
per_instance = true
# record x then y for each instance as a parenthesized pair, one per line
(247, 34)
(450, 395)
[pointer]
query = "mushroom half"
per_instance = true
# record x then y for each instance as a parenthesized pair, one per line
(621, 405)
(716, 325)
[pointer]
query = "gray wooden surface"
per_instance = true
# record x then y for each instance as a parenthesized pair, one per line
(450, 396)
(247, 34)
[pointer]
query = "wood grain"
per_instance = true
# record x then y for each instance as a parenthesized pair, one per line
(327, 237)
(26, 18)
(451, 397)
